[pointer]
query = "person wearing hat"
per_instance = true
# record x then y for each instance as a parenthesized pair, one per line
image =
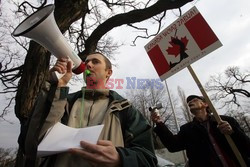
(203, 138)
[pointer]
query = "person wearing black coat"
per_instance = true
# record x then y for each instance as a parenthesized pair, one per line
(204, 139)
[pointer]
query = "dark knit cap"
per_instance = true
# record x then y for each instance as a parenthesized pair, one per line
(189, 98)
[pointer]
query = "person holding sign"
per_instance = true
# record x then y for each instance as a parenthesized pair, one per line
(203, 138)
(126, 137)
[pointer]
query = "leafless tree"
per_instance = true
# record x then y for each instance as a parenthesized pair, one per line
(241, 118)
(184, 107)
(147, 97)
(142, 99)
(10, 62)
(7, 157)
(230, 88)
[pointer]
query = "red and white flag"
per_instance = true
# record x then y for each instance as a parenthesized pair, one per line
(186, 40)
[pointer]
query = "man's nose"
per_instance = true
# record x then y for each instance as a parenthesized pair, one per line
(89, 65)
(190, 102)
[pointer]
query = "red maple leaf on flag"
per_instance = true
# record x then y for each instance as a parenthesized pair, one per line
(175, 49)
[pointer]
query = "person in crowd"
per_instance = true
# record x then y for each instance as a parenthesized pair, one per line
(203, 138)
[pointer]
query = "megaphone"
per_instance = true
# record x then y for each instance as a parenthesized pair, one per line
(42, 28)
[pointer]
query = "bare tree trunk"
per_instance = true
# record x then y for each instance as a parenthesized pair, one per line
(247, 123)
(33, 75)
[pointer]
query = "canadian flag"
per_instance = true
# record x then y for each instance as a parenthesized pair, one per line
(190, 39)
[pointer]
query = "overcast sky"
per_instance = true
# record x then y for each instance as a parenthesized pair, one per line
(229, 20)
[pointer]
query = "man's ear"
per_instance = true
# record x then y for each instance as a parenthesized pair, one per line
(205, 104)
(110, 72)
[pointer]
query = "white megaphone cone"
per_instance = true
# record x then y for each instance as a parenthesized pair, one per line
(42, 28)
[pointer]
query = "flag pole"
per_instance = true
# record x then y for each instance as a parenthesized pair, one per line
(176, 122)
(217, 117)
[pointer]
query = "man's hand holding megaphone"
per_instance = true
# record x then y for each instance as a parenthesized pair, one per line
(63, 66)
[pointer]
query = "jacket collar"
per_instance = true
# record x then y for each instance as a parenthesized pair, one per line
(95, 93)
(211, 120)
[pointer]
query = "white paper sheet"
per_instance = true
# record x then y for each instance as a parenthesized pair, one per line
(60, 138)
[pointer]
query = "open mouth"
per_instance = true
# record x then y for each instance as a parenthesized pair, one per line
(190, 104)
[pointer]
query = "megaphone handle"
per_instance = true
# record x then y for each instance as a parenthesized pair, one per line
(56, 76)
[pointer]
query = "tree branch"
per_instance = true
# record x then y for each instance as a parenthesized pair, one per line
(129, 18)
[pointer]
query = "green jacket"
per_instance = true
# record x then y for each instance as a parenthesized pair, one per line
(138, 147)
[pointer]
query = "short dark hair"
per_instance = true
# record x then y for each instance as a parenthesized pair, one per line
(107, 61)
